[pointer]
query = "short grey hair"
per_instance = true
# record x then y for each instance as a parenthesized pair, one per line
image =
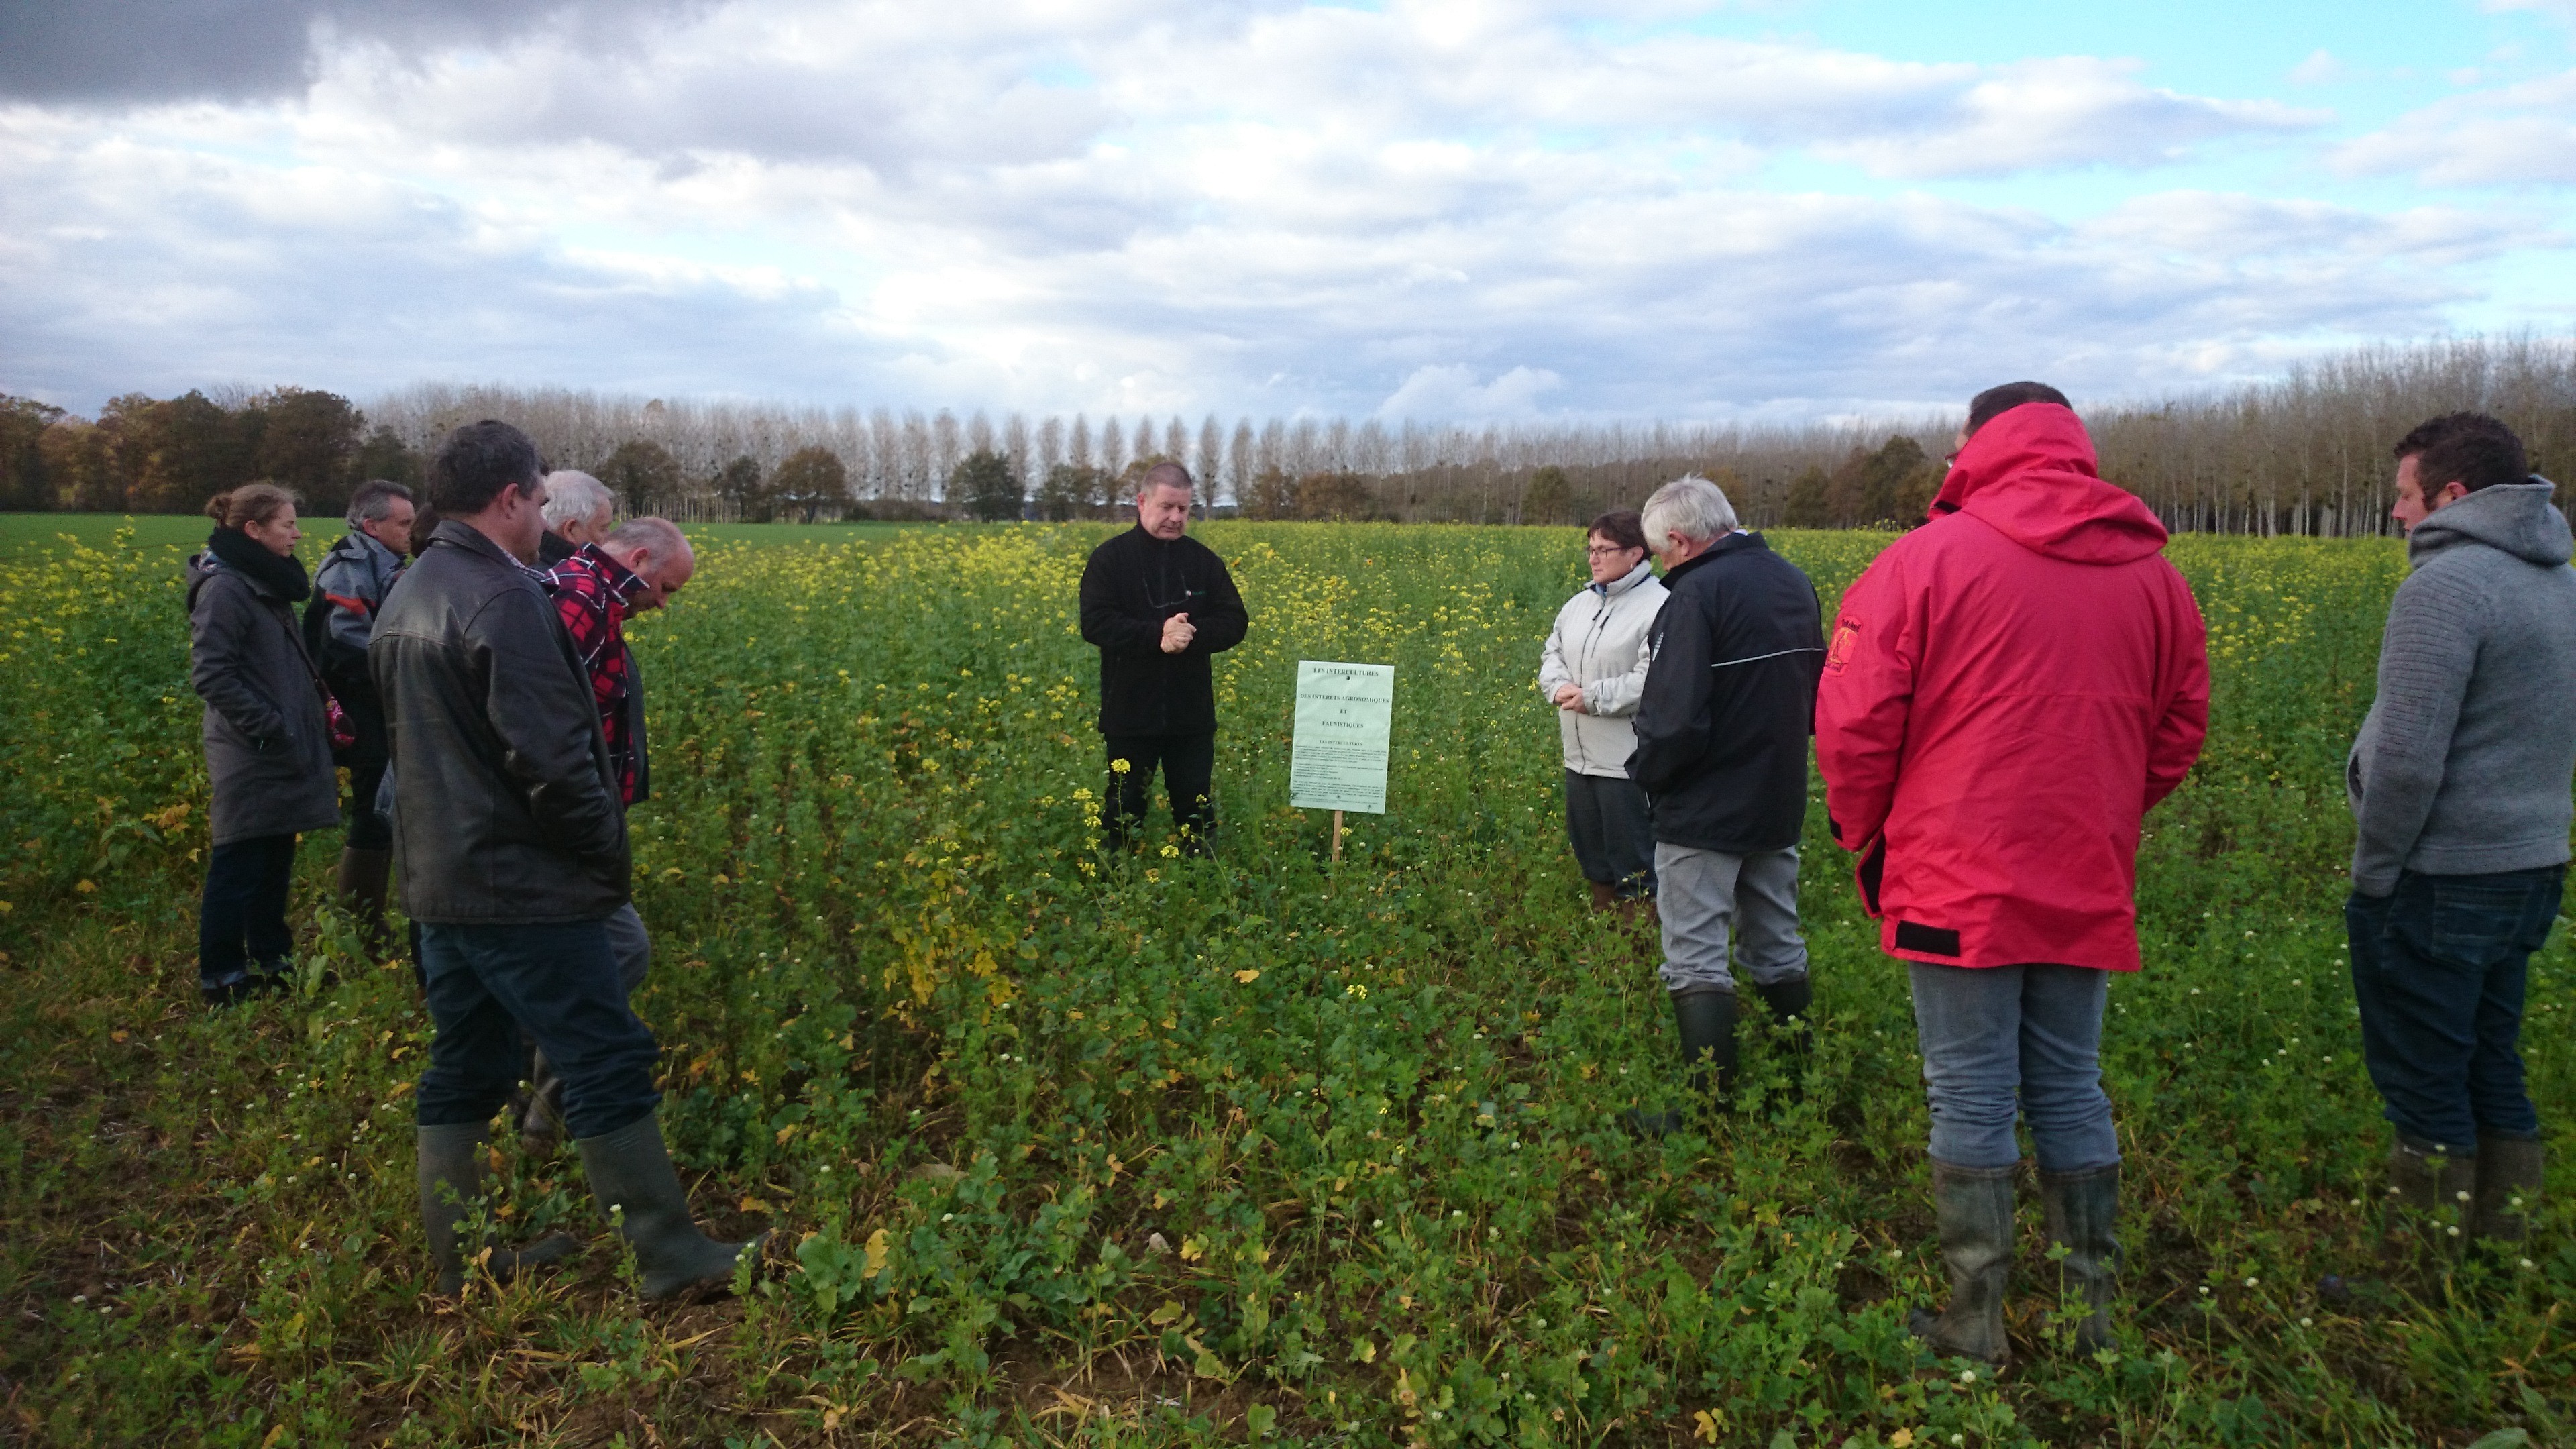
(571, 495)
(658, 534)
(374, 501)
(1691, 506)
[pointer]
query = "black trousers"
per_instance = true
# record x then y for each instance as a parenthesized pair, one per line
(367, 760)
(241, 919)
(1186, 762)
(368, 828)
(1613, 831)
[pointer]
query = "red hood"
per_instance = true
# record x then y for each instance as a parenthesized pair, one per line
(2031, 474)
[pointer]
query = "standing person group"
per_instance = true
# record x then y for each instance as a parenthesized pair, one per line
(508, 711)
(510, 841)
(2004, 693)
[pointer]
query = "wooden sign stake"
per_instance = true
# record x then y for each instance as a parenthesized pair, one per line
(1337, 835)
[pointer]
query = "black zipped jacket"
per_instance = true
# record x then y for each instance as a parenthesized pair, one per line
(1730, 700)
(1133, 583)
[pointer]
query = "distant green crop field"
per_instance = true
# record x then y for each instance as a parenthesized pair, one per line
(22, 534)
(1267, 1148)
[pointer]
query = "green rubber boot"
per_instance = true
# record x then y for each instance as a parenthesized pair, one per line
(2083, 1212)
(2432, 1192)
(630, 1169)
(451, 1177)
(2508, 1186)
(1975, 1209)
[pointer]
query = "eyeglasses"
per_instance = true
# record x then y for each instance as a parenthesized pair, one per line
(1608, 550)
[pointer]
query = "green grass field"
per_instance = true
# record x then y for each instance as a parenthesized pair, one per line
(1260, 1149)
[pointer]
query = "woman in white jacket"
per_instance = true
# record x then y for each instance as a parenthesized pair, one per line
(1593, 670)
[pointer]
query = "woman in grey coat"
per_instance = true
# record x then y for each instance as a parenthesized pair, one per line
(268, 737)
(1593, 669)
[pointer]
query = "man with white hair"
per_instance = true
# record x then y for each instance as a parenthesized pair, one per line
(579, 509)
(633, 569)
(1722, 729)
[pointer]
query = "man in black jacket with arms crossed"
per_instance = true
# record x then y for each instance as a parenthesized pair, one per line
(1158, 604)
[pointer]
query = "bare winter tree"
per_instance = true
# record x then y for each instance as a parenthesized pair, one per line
(944, 451)
(2306, 453)
(1113, 447)
(1015, 449)
(1050, 444)
(1240, 461)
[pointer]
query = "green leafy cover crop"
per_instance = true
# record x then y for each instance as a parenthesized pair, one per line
(1160, 1150)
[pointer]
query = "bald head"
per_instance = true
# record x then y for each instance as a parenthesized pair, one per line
(657, 552)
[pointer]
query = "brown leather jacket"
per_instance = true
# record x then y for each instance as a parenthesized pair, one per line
(505, 804)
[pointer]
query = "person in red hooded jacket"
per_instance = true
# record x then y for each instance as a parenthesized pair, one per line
(2007, 690)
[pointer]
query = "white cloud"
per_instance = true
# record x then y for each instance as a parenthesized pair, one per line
(2320, 69)
(2564, 10)
(2523, 134)
(1451, 392)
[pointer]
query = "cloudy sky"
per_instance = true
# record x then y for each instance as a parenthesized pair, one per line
(1776, 209)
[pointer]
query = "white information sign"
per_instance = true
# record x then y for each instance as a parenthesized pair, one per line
(1345, 714)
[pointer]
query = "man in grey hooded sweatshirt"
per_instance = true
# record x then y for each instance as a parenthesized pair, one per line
(2459, 784)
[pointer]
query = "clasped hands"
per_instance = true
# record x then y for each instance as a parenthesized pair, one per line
(1178, 631)
(1569, 697)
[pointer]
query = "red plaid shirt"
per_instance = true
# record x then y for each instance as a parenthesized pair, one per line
(592, 592)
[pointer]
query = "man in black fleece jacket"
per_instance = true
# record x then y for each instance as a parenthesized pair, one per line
(1158, 604)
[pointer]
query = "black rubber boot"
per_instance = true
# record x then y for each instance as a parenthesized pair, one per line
(1789, 1002)
(2508, 1186)
(2083, 1212)
(1706, 1021)
(2430, 1194)
(451, 1177)
(630, 1170)
(1975, 1208)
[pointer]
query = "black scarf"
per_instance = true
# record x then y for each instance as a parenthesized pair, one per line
(283, 576)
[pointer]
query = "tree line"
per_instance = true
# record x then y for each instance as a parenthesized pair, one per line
(2304, 454)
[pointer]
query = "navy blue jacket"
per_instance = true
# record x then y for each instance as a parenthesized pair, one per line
(1730, 700)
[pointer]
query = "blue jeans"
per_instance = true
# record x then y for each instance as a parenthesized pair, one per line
(2438, 968)
(1607, 819)
(2000, 1038)
(241, 918)
(558, 982)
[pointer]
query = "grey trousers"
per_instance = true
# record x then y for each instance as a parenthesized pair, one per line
(1720, 909)
(633, 948)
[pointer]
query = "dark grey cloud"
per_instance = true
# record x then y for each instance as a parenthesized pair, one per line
(122, 51)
